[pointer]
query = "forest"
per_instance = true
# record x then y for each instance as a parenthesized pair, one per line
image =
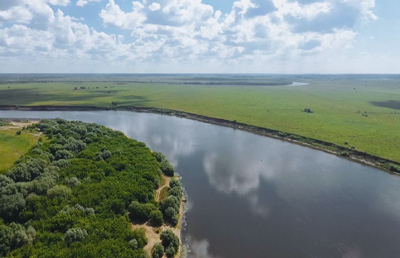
(74, 195)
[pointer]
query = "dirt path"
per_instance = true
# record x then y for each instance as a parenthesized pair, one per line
(152, 233)
(165, 183)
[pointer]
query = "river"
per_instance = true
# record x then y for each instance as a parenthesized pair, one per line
(253, 196)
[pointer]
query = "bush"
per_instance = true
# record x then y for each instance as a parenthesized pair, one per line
(75, 235)
(158, 251)
(156, 218)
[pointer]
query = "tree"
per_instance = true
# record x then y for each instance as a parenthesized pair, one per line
(158, 251)
(63, 154)
(167, 168)
(75, 235)
(156, 218)
(170, 251)
(59, 192)
(141, 212)
(170, 242)
(170, 201)
(140, 236)
(11, 205)
(133, 244)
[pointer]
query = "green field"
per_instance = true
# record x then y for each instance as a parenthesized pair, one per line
(362, 112)
(13, 146)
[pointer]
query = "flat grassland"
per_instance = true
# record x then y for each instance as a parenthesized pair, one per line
(361, 113)
(13, 146)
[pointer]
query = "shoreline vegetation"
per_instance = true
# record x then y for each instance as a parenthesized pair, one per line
(82, 190)
(349, 153)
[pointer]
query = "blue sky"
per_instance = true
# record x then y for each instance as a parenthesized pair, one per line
(205, 36)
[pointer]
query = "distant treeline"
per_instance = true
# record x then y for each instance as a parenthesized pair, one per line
(71, 194)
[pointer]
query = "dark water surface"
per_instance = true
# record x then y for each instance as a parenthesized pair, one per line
(252, 196)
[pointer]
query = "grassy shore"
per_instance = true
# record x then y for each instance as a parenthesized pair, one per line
(13, 146)
(359, 114)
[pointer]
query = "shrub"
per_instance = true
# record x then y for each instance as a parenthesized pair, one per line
(158, 251)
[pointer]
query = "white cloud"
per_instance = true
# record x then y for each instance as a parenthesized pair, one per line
(59, 2)
(114, 16)
(154, 7)
(82, 3)
(190, 32)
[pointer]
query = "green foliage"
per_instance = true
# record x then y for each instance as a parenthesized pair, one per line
(3, 122)
(156, 218)
(133, 244)
(170, 242)
(170, 208)
(175, 189)
(75, 235)
(158, 251)
(140, 236)
(74, 201)
(166, 166)
(140, 212)
(15, 236)
(59, 191)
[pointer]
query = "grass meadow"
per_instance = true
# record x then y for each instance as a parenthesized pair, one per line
(13, 146)
(364, 114)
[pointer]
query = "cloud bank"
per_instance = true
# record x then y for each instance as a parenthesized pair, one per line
(178, 33)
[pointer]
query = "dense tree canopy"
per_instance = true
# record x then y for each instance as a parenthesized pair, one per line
(70, 195)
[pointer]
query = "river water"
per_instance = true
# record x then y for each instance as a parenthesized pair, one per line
(253, 196)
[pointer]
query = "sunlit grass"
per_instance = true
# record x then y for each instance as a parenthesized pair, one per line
(335, 104)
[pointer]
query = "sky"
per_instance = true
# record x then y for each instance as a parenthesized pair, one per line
(200, 36)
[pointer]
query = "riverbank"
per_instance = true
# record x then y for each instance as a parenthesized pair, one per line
(153, 233)
(349, 153)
